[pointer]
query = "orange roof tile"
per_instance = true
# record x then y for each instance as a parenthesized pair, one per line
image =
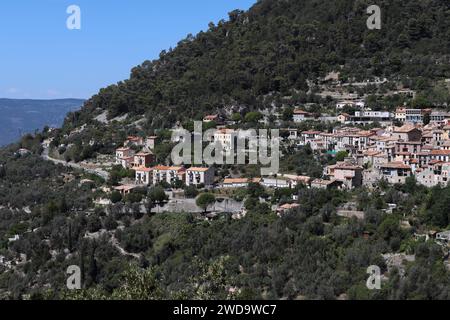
(198, 169)
(404, 129)
(440, 152)
(395, 165)
(240, 180)
(143, 169)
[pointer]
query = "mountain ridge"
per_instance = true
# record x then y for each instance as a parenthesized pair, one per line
(278, 48)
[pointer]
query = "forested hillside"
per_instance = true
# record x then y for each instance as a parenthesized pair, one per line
(274, 49)
(309, 253)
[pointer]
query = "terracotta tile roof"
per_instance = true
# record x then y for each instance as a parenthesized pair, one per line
(125, 187)
(298, 111)
(240, 180)
(408, 142)
(383, 138)
(404, 129)
(144, 154)
(440, 152)
(395, 165)
(366, 133)
(325, 134)
(371, 153)
(297, 178)
(133, 138)
(347, 167)
(143, 169)
(198, 169)
(288, 206)
(323, 182)
(167, 168)
(225, 131)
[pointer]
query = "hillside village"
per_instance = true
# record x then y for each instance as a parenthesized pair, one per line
(344, 145)
(362, 179)
(362, 149)
(390, 152)
(355, 154)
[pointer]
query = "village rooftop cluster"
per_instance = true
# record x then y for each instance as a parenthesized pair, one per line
(390, 152)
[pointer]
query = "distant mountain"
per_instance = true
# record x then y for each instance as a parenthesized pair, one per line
(19, 116)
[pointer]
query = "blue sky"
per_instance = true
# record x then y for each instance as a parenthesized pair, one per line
(41, 59)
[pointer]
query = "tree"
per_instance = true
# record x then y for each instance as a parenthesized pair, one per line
(138, 284)
(204, 200)
(136, 238)
(110, 223)
(426, 118)
(93, 268)
(250, 203)
(133, 197)
(255, 190)
(94, 224)
(236, 117)
(157, 195)
(420, 102)
(253, 117)
(190, 192)
(287, 114)
(410, 185)
(135, 284)
(341, 155)
(115, 197)
(177, 184)
(2, 171)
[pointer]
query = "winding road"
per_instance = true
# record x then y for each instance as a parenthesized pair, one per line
(98, 172)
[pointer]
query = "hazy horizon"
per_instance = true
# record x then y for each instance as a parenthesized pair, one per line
(21, 116)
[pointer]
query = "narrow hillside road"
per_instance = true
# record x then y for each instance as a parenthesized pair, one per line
(98, 172)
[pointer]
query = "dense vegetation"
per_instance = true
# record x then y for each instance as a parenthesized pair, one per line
(310, 252)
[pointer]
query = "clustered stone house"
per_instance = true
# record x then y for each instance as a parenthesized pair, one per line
(128, 158)
(392, 153)
(141, 162)
(401, 115)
